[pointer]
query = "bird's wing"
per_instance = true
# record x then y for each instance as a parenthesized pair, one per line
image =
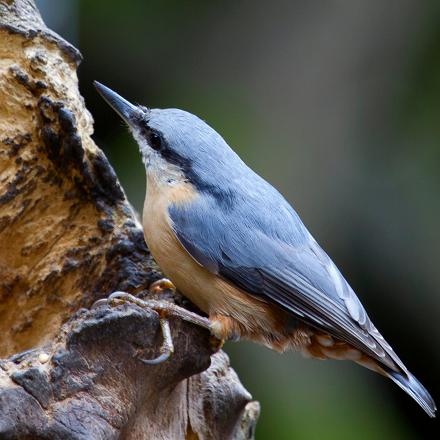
(271, 255)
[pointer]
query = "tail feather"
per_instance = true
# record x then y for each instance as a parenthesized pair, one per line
(415, 389)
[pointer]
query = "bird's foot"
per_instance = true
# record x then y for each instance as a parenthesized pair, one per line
(165, 310)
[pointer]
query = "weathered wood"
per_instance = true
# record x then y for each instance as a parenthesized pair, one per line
(68, 236)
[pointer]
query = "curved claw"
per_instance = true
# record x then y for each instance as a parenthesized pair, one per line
(99, 303)
(119, 295)
(167, 348)
(161, 285)
(161, 358)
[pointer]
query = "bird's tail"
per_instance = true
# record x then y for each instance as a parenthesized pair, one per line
(415, 389)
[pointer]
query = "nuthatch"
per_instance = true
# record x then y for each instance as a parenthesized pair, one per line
(235, 247)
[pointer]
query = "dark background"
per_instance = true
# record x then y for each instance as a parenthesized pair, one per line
(335, 103)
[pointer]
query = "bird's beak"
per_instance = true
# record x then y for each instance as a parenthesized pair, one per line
(126, 110)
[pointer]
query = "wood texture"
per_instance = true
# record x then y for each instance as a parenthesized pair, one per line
(68, 237)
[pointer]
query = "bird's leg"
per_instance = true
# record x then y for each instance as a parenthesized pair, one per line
(158, 286)
(165, 284)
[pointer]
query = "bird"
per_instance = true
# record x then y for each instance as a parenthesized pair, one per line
(233, 245)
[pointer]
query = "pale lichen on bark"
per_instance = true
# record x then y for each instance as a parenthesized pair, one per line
(68, 237)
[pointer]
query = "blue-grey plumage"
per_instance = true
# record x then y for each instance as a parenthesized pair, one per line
(229, 228)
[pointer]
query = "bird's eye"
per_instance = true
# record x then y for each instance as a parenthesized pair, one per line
(155, 140)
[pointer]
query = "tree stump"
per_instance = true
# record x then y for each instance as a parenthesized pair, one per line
(68, 236)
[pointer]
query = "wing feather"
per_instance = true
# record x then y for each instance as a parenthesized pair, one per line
(274, 256)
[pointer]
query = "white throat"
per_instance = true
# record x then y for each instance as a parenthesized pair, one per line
(159, 170)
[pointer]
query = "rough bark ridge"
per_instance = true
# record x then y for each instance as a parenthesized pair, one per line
(68, 237)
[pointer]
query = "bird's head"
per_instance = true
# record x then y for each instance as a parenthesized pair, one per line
(175, 145)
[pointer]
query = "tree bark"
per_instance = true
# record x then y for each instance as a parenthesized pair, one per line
(68, 236)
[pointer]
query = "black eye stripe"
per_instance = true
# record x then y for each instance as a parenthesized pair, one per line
(155, 140)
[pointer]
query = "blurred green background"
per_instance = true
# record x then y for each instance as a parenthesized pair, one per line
(337, 103)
